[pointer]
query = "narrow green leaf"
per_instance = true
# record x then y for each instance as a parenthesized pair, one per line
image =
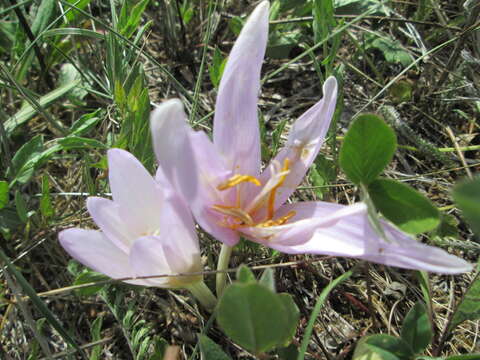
(252, 316)
(89, 276)
(46, 207)
(216, 68)
(39, 304)
(76, 142)
(469, 307)
(130, 19)
(416, 329)
(211, 350)
(316, 311)
(21, 207)
(20, 169)
(382, 347)
(405, 207)
(3, 194)
(464, 357)
(467, 197)
(368, 147)
(85, 123)
(73, 31)
(27, 112)
(75, 14)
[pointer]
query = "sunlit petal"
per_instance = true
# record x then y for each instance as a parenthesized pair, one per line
(305, 140)
(235, 131)
(94, 250)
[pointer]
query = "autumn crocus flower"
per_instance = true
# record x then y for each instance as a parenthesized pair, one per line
(231, 197)
(145, 230)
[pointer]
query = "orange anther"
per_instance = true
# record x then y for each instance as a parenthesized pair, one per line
(273, 192)
(238, 179)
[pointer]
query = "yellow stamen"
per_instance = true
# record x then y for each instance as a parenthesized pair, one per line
(242, 216)
(238, 179)
(273, 192)
(279, 221)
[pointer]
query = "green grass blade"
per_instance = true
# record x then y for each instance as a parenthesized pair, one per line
(316, 311)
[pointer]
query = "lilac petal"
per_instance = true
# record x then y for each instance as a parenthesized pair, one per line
(95, 251)
(332, 221)
(135, 191)
(211, 173)
(169, 128)
(176, 212)
(235, 132)
(106, 215)
(304, 141)
(148, 258)
(197, 172)
(405, 252)
(155, 255)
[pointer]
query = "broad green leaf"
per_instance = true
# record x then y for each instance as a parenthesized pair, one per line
(288, 353)
(382, 347)
(467, 197)
(245, 275)
(368, 147)
(253, 316)
(469, 307)
(268, 279)
(405, 207)
(210, 350)
(293, 314)
(27, 111)
(392, 50)
(3, 194)
(416, 329)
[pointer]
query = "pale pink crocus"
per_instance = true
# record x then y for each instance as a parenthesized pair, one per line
(230, 196)
(146, 230)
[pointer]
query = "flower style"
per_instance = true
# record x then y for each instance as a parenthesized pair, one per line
(145, 230)
(230, 196)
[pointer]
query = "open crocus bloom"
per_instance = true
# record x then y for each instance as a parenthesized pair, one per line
(145, 230)
(230, 196)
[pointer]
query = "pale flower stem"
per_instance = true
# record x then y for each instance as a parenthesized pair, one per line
(203, 294)
(222, 265)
